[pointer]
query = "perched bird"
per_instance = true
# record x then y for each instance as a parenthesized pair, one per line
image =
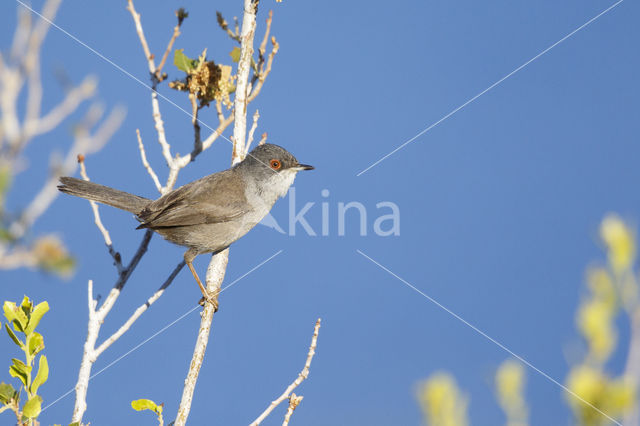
(208, 214)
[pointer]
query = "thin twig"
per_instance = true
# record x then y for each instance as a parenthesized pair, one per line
(64, 109)
(157, 117)
(83, 143)
(264, 74)
(254, 126)
(294, 401)
(117, 259)
(263, 48)
(139, 311)
(174, 36)
(225, 27)
(197, 141)
(301, 377)
(263, 139)
(146, 164)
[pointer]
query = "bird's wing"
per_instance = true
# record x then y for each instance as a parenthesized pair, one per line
(213, 199)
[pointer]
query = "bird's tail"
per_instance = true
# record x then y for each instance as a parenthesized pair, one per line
(102, 194)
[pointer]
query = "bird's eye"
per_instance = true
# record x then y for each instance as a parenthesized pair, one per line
(275, 164)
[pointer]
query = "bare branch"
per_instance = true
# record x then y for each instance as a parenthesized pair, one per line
(64, 109)
(265, 73)
(215, 276)
(88, 358)
(138, 312)
(263, 139)
(124, 276)
(254, 126)
(143, 40)
(157, 117)
(197, 142)
(294, 401)
(225, 27)
(263, 48)
(146, 165)
(181, 15)
(98, 221)
(301, 377)
(21, 34)
(244, 66)
(37, 36)
(83, 143)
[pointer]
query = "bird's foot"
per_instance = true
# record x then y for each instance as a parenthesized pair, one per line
(208, 298)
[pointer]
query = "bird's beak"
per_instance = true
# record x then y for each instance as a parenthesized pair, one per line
(304, 167)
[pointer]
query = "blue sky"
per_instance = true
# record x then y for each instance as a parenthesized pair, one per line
(500, 205)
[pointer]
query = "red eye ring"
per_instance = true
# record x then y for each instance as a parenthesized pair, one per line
(275, 164)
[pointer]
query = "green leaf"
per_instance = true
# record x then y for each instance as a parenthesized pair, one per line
(15, 315)
(32, 408)
(35, 343)
(42, 376)
(235, 54)
(20, 370)
(144, 404)
(36, 316)
(74, 424)
(13, 336)
(7, 393)
(26, 306)
(182, 61)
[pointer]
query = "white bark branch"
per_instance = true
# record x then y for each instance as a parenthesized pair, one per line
(215, 276)
(146, 164)
(254, 126)
(82, 385)
(139, 311)
(301, 377)
(98, 221)
(218, 264)
(64, 109)
(244, 67)
(155, 105)
(294, 401)
(85, 144)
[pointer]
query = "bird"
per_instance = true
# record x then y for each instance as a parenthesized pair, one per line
(208, 214)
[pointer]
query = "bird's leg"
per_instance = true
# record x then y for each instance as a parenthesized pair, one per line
(188, 258)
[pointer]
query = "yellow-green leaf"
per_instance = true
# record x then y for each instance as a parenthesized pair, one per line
(42, 376)
(144, 404)
(7, 393)
(235, 54)
(15, 315)
(35, 343)
(13, 336)
(32, 408)
(20, 370)
(26, 305)
(36, 316)
(182, 61)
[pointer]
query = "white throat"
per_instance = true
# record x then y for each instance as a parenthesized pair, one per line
(275, 186)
